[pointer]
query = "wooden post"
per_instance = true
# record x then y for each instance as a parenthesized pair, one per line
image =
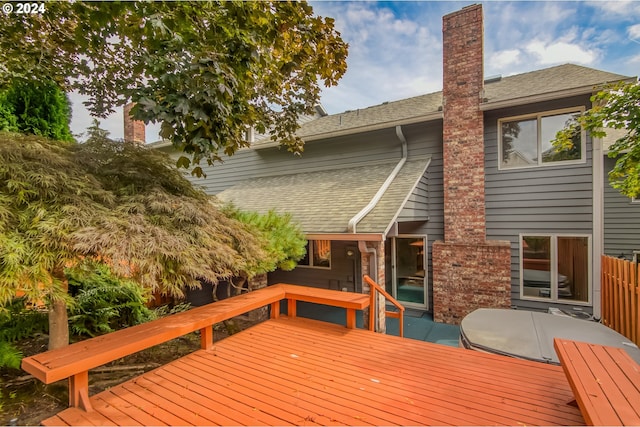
(275, 310)
(206, 338)
(291, 307)
(79, 391)
(351, 318)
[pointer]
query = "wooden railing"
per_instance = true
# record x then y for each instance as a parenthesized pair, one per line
(621, 297)
(375, 289)
(75, 361)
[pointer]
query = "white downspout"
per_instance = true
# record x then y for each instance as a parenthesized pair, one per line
(373, 272)
(351, 227)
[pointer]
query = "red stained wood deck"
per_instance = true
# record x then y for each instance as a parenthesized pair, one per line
(305, 372)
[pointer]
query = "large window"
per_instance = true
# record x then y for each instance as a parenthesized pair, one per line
(318, 254)
(555, 268)
(525, 141)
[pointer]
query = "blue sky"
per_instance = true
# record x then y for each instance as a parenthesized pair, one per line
(395, 48)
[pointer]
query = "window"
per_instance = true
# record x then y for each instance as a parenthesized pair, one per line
(318, 254)
(525, 141)
(555, 268)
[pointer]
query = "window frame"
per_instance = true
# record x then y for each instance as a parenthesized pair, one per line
(538, 117)
(310, 254)
(554, 269)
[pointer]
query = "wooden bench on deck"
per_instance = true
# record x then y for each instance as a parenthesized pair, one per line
(75, 361)
(605, 382)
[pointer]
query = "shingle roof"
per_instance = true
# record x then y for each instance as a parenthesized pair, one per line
(425, 107)
(325, 201)
(549, 80)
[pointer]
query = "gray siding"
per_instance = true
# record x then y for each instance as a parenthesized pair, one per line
(426, 140)
(621, 220)
(318, 155)
(417, 206)
(550, 199)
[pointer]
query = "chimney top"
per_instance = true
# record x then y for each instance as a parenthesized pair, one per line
(134, 130)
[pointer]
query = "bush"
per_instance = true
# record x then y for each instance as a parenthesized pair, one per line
(17, 321)
(104, 302)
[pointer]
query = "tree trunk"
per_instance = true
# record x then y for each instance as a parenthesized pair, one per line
(58, 317)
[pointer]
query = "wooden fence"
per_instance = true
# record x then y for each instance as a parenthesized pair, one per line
(621, 297)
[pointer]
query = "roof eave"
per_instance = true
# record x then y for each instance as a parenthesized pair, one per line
(368, 237)
(549, 96)
(361, 129)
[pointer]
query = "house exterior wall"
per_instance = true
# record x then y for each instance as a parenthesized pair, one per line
(344, 271)
(550, 199)
(423, 139)
(352, 150)
(621, 220)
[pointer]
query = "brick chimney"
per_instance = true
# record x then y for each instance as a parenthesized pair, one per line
(134, 130)
(468, 271)
(463, 131)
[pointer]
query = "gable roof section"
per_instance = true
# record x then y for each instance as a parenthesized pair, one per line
(551, 83)
(323, 202)
(520, 89)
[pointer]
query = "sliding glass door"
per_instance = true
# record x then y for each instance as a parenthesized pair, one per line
(409, 270)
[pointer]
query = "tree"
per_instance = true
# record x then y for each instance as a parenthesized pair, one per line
(36, 107)
(205, 70)
(616, 107)
(62, 204)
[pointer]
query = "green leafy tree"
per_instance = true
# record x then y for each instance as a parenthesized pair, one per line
(204, 70)
(285, 240)
(95, 132)
(36, 107)
(616, 107)
(62, 204)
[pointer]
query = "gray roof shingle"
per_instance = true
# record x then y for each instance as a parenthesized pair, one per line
(421, 108)
(325, 201)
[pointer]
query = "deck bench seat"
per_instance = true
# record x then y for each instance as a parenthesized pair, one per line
(605, 382)
(75, 360)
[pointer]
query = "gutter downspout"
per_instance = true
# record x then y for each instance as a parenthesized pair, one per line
(351, 227)
(362, 247)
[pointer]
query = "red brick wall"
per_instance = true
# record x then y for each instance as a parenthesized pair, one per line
(467, 277)
(468, 271)
(463, 133)
(134, 130)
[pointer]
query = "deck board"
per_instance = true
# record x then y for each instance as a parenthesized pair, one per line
(305, 372)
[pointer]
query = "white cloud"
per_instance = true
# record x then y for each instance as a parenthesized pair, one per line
(634, 59)
(616, 9)
(634, 32)
(505, 58)
(560, 52)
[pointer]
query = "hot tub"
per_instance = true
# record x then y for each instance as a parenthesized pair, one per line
(529, 335)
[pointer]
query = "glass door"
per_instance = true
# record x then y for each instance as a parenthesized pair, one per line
(409, 270)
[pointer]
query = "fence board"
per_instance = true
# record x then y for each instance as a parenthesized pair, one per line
(621, 297)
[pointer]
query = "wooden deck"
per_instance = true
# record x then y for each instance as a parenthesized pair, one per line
(305, 372)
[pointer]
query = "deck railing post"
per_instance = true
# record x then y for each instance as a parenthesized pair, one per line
(206, 338)
(79, 391)
(291, 307)
(275, 310)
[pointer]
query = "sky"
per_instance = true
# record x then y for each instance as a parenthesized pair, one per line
(395, 48)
